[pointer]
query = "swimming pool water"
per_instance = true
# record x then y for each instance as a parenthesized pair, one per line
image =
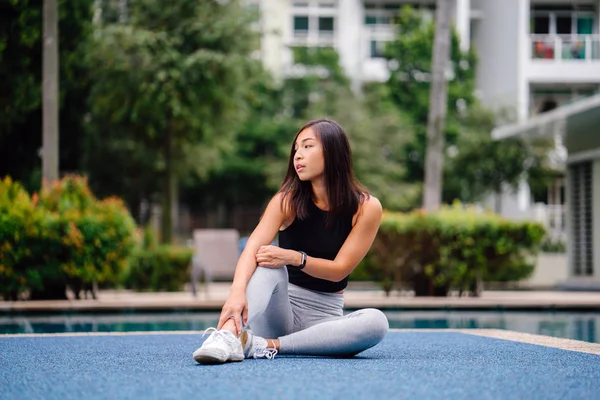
(570, 325)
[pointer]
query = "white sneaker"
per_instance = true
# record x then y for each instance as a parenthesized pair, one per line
(256, 347)
(221, 346)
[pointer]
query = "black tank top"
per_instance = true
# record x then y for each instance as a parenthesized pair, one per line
(312, 236)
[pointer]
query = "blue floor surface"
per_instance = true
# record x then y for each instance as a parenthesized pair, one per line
(427, 365)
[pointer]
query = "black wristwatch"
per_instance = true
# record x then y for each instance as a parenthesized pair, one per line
(303, 264)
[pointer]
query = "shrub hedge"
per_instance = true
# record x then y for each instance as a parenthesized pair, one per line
(61, 237)
(455, 248)
(155, 267)
(64, 236)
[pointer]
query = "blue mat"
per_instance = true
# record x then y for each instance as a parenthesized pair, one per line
(428, 365)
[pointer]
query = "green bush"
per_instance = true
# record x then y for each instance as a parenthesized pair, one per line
(155, 267)
(62, 237)
(20, 236)
(553, 245)
(453, 248)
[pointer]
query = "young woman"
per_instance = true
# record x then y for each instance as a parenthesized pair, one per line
(289, 299)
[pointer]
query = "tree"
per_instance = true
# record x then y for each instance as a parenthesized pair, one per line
(172, 80)
(377, 131)
(410, 66)
(244, 176)
(475, 165)
(481, 165)
(21, 60)
(319, 88)
(434, 158)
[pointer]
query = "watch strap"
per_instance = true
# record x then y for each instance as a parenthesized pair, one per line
(303, 264)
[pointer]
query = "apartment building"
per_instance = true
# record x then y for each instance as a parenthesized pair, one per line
(535, 57)
(534, 54)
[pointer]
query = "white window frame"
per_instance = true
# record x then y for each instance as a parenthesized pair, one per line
(314, 10)
(573, 14)
(385, 32)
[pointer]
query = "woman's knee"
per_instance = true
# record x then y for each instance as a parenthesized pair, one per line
(271, 273)
(374, 324)
(379, 322)
(264, 275)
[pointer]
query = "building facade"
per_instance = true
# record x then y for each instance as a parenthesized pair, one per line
(536, 58)
(534, 55)
(578, 124)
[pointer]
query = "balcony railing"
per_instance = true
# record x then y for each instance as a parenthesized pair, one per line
(313, 38)
(565, 47)
(553, 216)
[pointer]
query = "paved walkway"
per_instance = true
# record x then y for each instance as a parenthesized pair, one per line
(432, 364)
(407, 364)
(354, 299)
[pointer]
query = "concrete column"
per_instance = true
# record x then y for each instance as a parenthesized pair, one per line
(276, 21)
(596, 218)
(349, 28)
(462, 22)
(501, 42)
(597, 27)
(568, 223)
(524, 59)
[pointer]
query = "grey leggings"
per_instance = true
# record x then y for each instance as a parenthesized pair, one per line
(308, 322)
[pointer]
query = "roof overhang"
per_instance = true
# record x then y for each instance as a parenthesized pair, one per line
(558, 121)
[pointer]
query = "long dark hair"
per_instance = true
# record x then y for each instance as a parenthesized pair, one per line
(344, 192)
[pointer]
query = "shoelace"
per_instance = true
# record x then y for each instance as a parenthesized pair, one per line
(219, 334)
(264, 351)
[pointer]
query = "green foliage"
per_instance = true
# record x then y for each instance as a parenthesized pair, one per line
(63, 236)
(156, 267)
(20, 224)
(243, 175)
(553, 245)
(318, 78)
(250, 174)
(145, 69)
(170, 83)
(487, 165)
(21, 84)
(325, 57)
(378, 132)
(475, 165)
(454, 248)
(409, 61)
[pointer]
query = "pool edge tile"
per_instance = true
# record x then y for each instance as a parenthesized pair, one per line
(541, 340)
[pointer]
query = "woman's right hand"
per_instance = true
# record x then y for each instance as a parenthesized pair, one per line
(236, 308)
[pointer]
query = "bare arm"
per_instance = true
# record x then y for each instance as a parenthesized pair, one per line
(263, 234)
(236, 305)
(355, 247)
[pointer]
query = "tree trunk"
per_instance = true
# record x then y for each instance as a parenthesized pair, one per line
(498, 201)
(168, 190)
(123, 11)
(434, 158)
(50, 168)
(222, 220)
(97, 17)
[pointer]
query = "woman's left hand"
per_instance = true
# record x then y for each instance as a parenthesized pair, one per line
(275, 257)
